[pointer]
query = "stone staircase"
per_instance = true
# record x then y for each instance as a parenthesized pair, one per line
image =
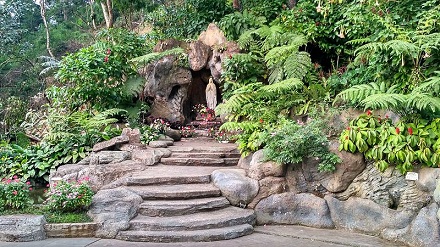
(180, 202)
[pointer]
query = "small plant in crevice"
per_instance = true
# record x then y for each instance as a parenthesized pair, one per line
(187, 131)
(295, 141)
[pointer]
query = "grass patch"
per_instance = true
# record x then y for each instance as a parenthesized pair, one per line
(52, 217)
(79, 217)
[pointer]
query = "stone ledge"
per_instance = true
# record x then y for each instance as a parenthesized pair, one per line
(71, 230)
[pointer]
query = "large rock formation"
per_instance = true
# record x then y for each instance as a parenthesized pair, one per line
(298, 209)
(235, 186)
(113, 209)
(167, 84)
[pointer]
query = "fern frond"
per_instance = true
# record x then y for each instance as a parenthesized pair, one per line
(432, 85)
(358, 93)
(424, 101)
(145, 59)
(282, 87)
(247, 126)
(133, 86)
(297, 65)
(384, 101)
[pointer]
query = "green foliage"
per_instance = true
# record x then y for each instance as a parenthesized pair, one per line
(14, 194)
(403, 144)
(154, 56)
(96, 74)
(268, 9)
(294, 142)
(69, 139)
(12, 113)
(67, 217)
(423, 100)
(235, 24)
(187, 18)
(69, 196)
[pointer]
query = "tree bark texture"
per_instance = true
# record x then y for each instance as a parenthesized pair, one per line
(43, 15)
(107, 10)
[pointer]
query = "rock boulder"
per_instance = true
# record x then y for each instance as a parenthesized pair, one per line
(22, 228)
(235, 186)
(259, 168)
(297, 209)
(113, 209)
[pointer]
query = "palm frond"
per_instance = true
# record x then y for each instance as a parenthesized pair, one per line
(432, 85)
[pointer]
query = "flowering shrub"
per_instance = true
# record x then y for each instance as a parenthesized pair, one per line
(69, 197)
(224, 136)
(160, 125)
(402, 144)
(14, 194)
(187, 131)
(199, 108)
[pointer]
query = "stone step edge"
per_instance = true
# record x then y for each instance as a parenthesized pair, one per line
(200, 192)
(225, 217)
(166, 208)
(206, 235)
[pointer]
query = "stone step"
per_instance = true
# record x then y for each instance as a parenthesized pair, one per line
(205, 155)
(199, 161)
(224, 217)
(179, 191)
(206, 147)
(167, 179)
(181, 207)
(205, 235)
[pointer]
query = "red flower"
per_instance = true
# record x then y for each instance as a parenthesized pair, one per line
(386, 116)
(346, 137)
(15, 177)
(261, 120)
(28, 183)
(397, 130)
(109, 51)
(30, 189)
(410, 131)
(368, 112)
(14, 192)
(230, 56)
(106, 59)
(379, 119)
(348, 128)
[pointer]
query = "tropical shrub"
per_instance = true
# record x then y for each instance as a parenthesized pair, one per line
(403, 144)
(96, 75)
(187, 18)
(295, 141)
(235, 24)
(69, 196)
(14, 193)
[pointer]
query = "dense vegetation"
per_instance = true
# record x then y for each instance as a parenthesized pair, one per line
(300, 61)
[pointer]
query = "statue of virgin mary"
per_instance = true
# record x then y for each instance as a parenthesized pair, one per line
(211, 94)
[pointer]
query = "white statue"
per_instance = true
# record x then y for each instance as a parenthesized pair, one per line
(211, 94)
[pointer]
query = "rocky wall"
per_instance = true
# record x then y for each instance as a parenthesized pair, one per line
(356, 197)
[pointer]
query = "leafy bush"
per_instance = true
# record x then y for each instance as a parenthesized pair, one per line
(12, 113)
(403, 144)
(186, 19)
(96, 74)
(293, 142)
(235, 24)
(14, 193)
(69, 196)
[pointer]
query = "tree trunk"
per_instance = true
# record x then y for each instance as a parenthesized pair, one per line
(292, 3)
(107, 10)
(92, 13)
(236, 4)
(43, 15)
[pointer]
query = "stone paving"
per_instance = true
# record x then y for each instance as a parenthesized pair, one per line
(264, 236)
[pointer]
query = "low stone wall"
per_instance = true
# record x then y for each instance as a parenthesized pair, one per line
(22, 228)
(71, 230)
(356, 197)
